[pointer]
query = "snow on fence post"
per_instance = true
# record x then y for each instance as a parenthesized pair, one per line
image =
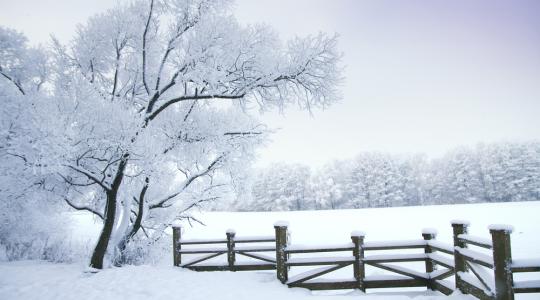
(230, 248)
(459, 227)
(429, 234)
(281, 244)
(502, 260)
(177, 233)
(357, 238)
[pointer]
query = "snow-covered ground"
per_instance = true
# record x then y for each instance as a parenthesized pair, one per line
(38, 280)
(32, 280)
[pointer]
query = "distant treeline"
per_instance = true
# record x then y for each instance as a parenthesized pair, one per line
(499, 172)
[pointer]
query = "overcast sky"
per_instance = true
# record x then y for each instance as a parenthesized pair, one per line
(421, 76)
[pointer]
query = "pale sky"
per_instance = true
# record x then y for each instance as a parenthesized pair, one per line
(421, 76)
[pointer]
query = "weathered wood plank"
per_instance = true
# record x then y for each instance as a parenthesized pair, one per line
(429, 265)
(476, 241)
(525, 265)
(319, 261)
(254, 267)
(202, 242)
(467, 255)
(395, 245)
(527, 286)
(209, 268)
(459, 227)
(527, 290)
(395, 258)
(256, 241)
(441, 260)
(502, 260)
(468, 288)
(257, 256)
(281, 257)
(441, 247)
(317, 250)
(394, 283)
(314, 274)
(439, 286)
(477, 272)
(359, 269)
(231, 255)
(202, 251)
(269, 248)
(400, 270)
(343, 285)
(201, 259)
(177, 235)
(525, 269)
(441, 274)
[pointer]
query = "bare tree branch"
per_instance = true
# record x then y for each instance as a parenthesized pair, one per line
(170, 102)
(144, 47)
(163, 203)
(233, 133)
(85, 208)
(16, 83)
(90, 176)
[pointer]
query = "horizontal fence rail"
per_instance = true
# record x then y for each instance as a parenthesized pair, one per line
(480, 267)
(523, 266)
(228, 247)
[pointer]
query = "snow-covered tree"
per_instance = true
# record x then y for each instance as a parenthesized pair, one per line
(282, 187)
(148, 114)
(29, 226)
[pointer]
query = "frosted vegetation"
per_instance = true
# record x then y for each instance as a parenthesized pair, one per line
(498, 172)
(146, 113)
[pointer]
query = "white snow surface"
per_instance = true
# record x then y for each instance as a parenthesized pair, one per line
(460, 221)
(503, 227)
(476, 239)
(429, 230)
(281, 223)
(43, 280)
(520, 263)
(358, 233)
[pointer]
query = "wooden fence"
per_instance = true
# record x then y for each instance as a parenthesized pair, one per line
(485, 275)
(225, 246)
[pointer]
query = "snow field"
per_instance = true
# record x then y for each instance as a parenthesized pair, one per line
(31, 279)
(39, 280)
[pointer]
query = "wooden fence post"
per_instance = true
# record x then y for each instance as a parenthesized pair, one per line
(281, 244)
(357, 238)
(231, 257)
(177, 233)
(502, 260)
(429, 234)
(459, 227)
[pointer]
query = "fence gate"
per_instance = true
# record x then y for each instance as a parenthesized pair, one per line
(254, 250)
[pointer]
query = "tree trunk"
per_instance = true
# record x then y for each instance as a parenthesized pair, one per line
(135, 227)
(104, 237)
(110, 215)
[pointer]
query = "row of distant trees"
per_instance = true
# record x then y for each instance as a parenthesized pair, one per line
(499, 172)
